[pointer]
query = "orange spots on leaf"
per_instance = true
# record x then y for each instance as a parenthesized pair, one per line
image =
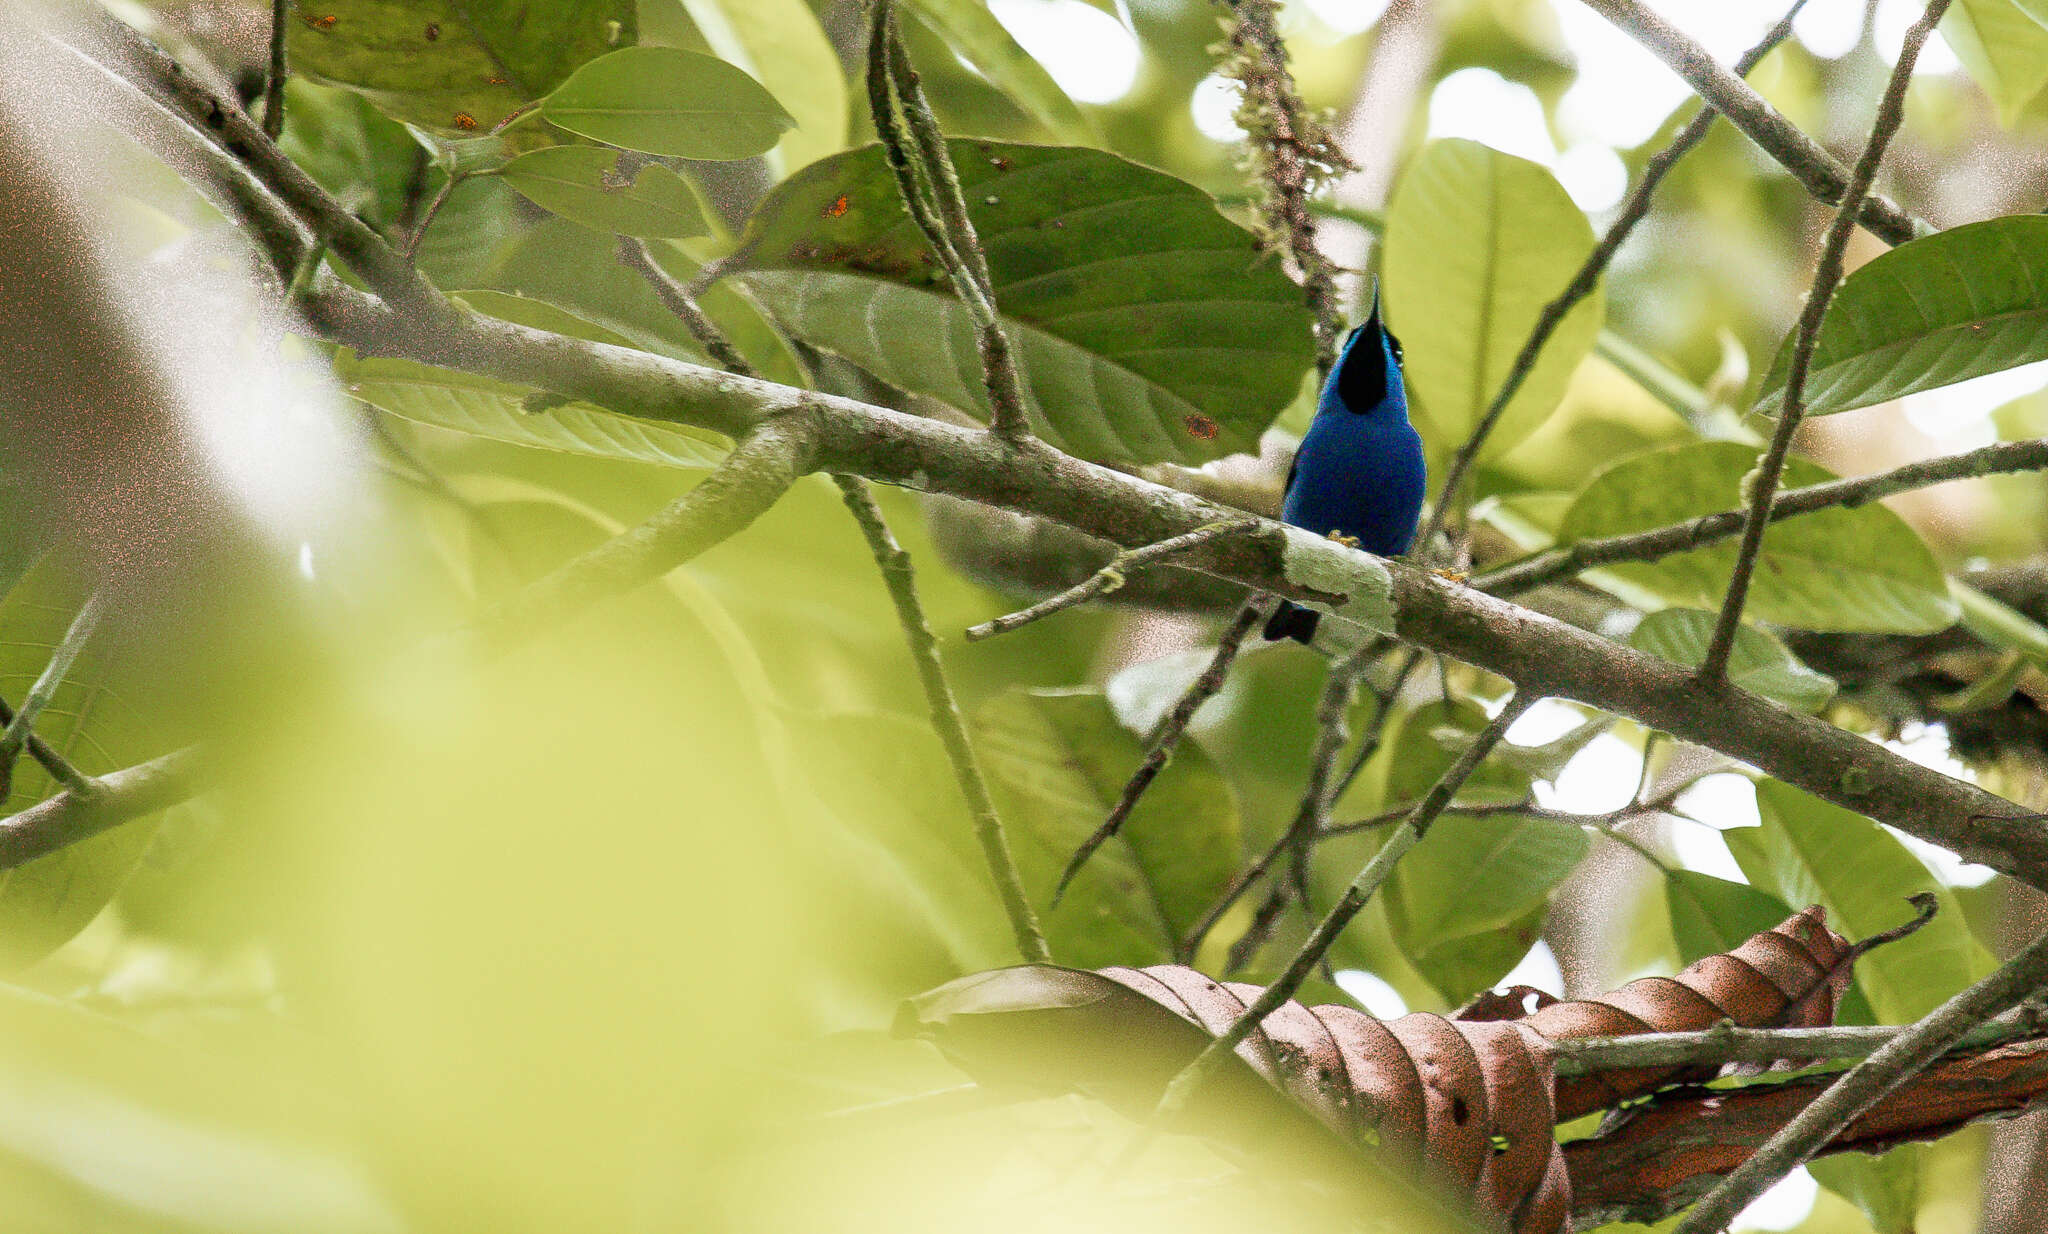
(465, 121)
(1201, 426)
(433, 31)
(322, 23)
(840, 205)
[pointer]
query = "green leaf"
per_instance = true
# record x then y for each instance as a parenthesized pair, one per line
(520, 416)
(1758, 662)
(586, 185)
(1477, 243)
(781, 44)
(668, 101)
(1711, 915)
(1932, 312)
(2004, 47)
(453, 68)
(1886, 1187)
(1833, 570)
(974, 34)
(1466, 904)
(1147, 326)
(1060, 760)
(1810, 852)
(93, 722)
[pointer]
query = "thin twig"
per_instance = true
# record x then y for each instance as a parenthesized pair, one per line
(1862, 1086)
(899, 574)
(273, 88)
(1293, 154)
(22, 724)
(113, 799)
(1763, 482)
(682, 301)
(53, 761)
(1633, 211)
(930, 189)
(1169, 732)
(1376, 728)
(1728, 1043)
(1355, 897)
(410, 249)
(1797, 153)
(1553, 564)
(1109, 578)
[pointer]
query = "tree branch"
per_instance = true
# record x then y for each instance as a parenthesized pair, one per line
(1554, 564)
(1763, 482)
(759, 471)
(273, 84)
(1108, 579)
(1778, 137)
(1544, 656)
(21, 725)
(120, 797)
(1863, 1085)
(1633, 211)
(1730, 1043)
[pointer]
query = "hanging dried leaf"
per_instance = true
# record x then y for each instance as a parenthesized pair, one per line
(1466, 1105)
(1789, 976)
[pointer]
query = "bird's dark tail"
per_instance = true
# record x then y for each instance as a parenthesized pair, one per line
(1293, 621)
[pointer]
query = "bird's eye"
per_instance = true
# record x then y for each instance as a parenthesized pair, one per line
(1395, 344)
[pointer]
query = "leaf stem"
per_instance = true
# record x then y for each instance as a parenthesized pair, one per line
(1763, 483)
(22, 724)
(1109, 578)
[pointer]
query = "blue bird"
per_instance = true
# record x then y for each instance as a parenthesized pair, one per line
(1359, 472)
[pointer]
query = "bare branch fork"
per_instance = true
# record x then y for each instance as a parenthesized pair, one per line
(21, 725)
(1633, 210)
(1763, 482)
(1109, 578)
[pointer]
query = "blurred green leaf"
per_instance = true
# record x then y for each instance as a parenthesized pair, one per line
(454, 68)
(1932, 312)
(1810, 852)
(782, 46)
(585, 185)
(1477, 243)
(664, 100)
(1712, 915)
(1758, 662)
(1886, 1187)
(1061, 759)
(1835, 569)
(974, 34)
(2004, 48)
(1146, 325)
(92, 721)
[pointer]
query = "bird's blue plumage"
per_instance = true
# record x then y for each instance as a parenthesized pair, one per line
(1359, 471)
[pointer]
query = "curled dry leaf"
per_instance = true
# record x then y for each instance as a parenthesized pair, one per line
(1466, 1105)
(1790, 976)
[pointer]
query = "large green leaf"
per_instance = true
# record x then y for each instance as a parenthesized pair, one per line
(1941, 309)
(1146, 324)
(668, 101)
(1757, 662)
(2004, 48)
(1060, 759)
(1810, 852)
(974, 34)
(781, 45)
(95, 724)
(454, 67)
(1477, 243)
(1712, 915)
(1835, 569)
(1466, 904)
(586, 185)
